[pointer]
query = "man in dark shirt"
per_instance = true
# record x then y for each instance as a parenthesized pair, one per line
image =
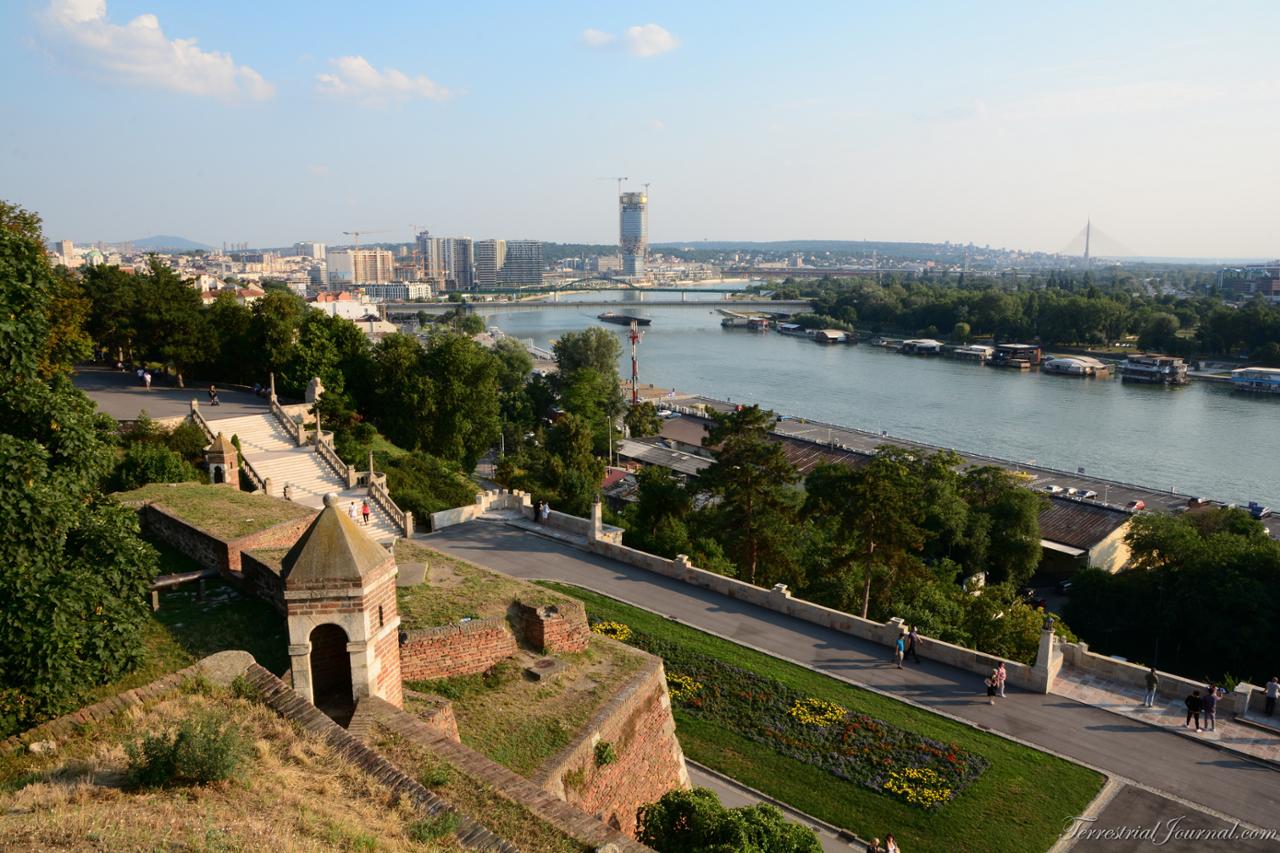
(1194, 705)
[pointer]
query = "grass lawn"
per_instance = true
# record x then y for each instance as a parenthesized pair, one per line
(455, 588)
(520, 723)
(1018, 804)
(224, 512)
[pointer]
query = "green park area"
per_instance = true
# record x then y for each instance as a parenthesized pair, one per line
(852, 757)
(226, 513)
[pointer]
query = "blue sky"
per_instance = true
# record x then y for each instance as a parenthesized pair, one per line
(1000, 123)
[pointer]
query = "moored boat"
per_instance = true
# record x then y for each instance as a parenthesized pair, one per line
(1256, 380)
(1075, 365)
(623, 319)
(1154, 369)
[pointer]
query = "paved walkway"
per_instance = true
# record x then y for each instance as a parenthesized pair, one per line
(1192, 771)
(122, 396)
(1168, 714)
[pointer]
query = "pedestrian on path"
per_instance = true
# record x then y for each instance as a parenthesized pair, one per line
(146, 379)
(1153, 683)
(288, 493)
(364, 510)
(913, 642)
(1273, 692)
(891, 845)
(992, 687)
(546, 511)
(1194, 705)
(213, 396)
(1210, 705)
(1001, 676)
(351, 511)
(874, 846)
(900, 649)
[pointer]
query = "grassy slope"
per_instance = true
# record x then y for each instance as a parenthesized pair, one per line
(1017, 805)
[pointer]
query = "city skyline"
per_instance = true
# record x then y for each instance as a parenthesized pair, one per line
(1006, 127)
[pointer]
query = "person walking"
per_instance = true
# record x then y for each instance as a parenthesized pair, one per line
(1001, 676)
(546, 512)
(351, 511)
(992, 687)
(1210, 705)
(891, 844)
(899, 649)
(288, 492)
(874, 846)
(146, 379)
(537, 512)
(1273, 692)
(1153, 684)
(213, 396)
(913, 642)
(1194, 705)
(364, 511)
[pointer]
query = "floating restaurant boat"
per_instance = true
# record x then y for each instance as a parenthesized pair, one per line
(1256, 380)
(972, 352)
(1154, 369)
(832, 336)
(921, 346)
(623, 319)
(1020, 356)
(1075, 365)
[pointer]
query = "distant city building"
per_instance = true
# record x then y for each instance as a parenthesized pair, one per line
(430, 254)
(523, 267)
(360, 266)
(315, 251)
(1253, 280)
(399, 291)
(604, 263)
(344, 304)
(458, 262)
(633, 230)
(491, 255)
(67, 249)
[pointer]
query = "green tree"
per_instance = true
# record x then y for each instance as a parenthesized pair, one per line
(752, 478)
(67, 342)
(400, 395)
(170, 320)
(1011, 547)
(961, 332)
(642, 420)
(694, 821)
(591, 349)
(273, 333)
(146, 463)
(572, 471)
(113, 314)
(464, 398)
(73, 572)
(229, 340)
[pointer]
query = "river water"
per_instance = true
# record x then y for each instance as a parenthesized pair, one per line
(1202, 439)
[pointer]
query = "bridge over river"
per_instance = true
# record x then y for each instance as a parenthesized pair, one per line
(771, 306)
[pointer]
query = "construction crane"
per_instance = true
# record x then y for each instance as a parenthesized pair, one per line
(617, 178)
(646, 190)
(635, 337)
(357, 234)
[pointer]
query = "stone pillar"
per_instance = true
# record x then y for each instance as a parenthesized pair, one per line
(597, 521)
(1048, 660)
(272, 379)
(300, 666)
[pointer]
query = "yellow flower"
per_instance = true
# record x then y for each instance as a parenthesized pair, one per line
(615, 630)
(681, 687)
(817, 712)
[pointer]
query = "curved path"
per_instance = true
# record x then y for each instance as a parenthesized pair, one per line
(1196, 773)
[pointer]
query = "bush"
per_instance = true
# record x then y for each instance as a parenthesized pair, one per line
(151, 463)
(188, 441)
(436, 826)
(605, 754)
(422, 484)
(435, 777)
(203, 749)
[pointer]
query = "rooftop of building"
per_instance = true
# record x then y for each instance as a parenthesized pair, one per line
(1078, 523)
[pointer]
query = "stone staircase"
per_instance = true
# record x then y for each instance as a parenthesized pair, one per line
(274, 454)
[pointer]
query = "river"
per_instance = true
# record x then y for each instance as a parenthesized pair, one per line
(1202, 439)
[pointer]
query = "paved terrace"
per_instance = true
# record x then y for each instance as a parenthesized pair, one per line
(1180, 770)
(122, 396)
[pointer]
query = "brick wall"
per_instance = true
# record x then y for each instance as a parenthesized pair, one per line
(262, 579)
(451, 650)
(554, 628)
(282, 535)
(209, 550)
(637, 722)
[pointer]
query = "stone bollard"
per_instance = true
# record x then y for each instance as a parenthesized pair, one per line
(155, 601)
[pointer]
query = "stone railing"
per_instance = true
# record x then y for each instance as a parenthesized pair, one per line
(259, 482)
(380, 496)
(294, 428)
(324, 447)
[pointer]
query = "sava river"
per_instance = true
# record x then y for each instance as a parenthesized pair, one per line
(1202, 439)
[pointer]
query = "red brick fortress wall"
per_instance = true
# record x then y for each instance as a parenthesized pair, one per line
(648, 761)
(552, 628)
(451, 650)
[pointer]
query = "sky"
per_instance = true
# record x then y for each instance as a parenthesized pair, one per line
(1004, 124)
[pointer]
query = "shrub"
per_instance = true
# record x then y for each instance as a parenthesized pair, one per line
(242, 688)
(435, 777)
(150, 463)
(605, 754)
(188, 441)
(434, 826)
(205, 748)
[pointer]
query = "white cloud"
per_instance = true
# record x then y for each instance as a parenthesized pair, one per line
(597, 38)
(642, 41)
(657, 124)
(318, 170)
(354, 77)
(139, 53)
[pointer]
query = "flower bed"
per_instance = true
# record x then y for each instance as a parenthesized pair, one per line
(918, 770)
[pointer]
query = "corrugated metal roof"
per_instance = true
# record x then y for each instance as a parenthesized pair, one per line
(1079, 524)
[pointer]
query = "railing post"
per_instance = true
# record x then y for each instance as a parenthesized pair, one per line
(272, 380)
(408, 525)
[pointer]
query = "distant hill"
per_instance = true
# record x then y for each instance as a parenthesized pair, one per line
(169, 241)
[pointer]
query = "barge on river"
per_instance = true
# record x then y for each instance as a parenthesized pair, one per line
(623, 319)
(1154, 369)
(1256, 380)
(1075, 365)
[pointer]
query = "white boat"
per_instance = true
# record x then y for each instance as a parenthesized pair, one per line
(1257, 380)
(1075, 365)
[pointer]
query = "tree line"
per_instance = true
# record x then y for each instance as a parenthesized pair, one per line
(1180, 314)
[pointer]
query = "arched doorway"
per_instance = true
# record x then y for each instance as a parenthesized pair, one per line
(331, 672)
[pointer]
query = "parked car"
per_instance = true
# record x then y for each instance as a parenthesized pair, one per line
(1089, 495)
(1259, 511)
(1053, 490)
(1135, 506)
(1064, 586)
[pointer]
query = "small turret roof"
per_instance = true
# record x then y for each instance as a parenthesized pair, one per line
(222, 444)
(332, 548)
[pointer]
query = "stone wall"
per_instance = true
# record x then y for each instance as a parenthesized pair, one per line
(490, 501)
(1079, 662)
(638, 725)
(552, 628)
(208, 549)
(450, 650)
